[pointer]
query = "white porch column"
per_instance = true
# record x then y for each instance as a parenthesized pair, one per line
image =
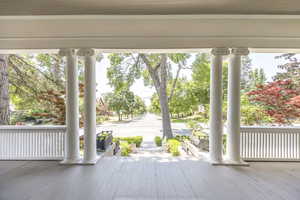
(90, 155)
(216, 125)
(233, 112)
(72, 108)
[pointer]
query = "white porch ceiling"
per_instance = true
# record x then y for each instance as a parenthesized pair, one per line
(78, 7)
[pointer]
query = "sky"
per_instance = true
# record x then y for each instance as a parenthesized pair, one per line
(266, 61)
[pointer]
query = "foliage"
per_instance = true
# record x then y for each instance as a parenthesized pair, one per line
(181, 138)
(245, 72)
(137, 140)
(173, 147)
(158, 141)
(37, 85)
(183, 100)
(256, 77)
(289, 70)
(201, 78)
(275, 98)
(252, 114)
(4, 91)
(193, 124)
(125, 102)
(155, 70)
(123, 71)
(25, 71)
(200, 134)
(125, 148)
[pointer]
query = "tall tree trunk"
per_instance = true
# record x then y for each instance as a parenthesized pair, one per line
(163, 99)
(4, 91)
(159, 75)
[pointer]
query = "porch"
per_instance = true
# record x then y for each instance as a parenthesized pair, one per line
(145, 175)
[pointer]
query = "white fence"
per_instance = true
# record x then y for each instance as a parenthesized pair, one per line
(32, 142)
(270, 143)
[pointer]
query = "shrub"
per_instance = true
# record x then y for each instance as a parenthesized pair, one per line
(200, 134)
(181, 138)
(158, 141)
(125, 148)
(192, 124)
(137, 140)
(173, 147)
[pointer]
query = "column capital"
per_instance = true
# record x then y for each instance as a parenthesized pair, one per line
(221, 51)
(240, 51)
(86, 52)
(66, 52)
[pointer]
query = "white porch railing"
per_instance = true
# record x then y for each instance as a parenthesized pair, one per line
(32, 142)
(270, 143)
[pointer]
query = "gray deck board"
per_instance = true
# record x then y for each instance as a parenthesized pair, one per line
(148, 176)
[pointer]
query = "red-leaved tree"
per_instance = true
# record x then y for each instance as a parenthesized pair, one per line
(280, 100)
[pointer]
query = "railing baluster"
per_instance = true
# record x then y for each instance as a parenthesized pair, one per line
(270, 143)
(32, 142)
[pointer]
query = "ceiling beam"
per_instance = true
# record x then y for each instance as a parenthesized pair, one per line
(150, 32)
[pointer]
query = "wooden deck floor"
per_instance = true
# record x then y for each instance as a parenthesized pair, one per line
(148, 176)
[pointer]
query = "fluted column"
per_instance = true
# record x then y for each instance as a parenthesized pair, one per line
(72, 108)
(90, 155)
(233, 112)
(216, 125)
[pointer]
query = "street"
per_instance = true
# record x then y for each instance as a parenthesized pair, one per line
(148, 126)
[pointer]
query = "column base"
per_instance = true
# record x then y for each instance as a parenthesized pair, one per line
(230, 163)
(81, 161)
(92, 162)
(215, 163)
(71, 161)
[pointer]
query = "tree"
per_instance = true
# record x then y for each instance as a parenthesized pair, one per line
(125, 102)
(4, 91)
(123, 71)
(184, 100)
(256, 77)
(156, 71)
(245, 72)
(200, 83)
(201, 78)
(291, 69)
(276, 98)
(252, 114)
(158, 67)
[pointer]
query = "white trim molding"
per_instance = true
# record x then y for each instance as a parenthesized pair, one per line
(150, 32)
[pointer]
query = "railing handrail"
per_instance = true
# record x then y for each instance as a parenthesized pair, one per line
(273, 129)
(21, 127)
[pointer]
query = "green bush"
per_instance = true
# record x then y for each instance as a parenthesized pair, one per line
(137, 140)
(125, 148)
(173, 147)
(200, 134)
(158, 141)
(181, 138)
